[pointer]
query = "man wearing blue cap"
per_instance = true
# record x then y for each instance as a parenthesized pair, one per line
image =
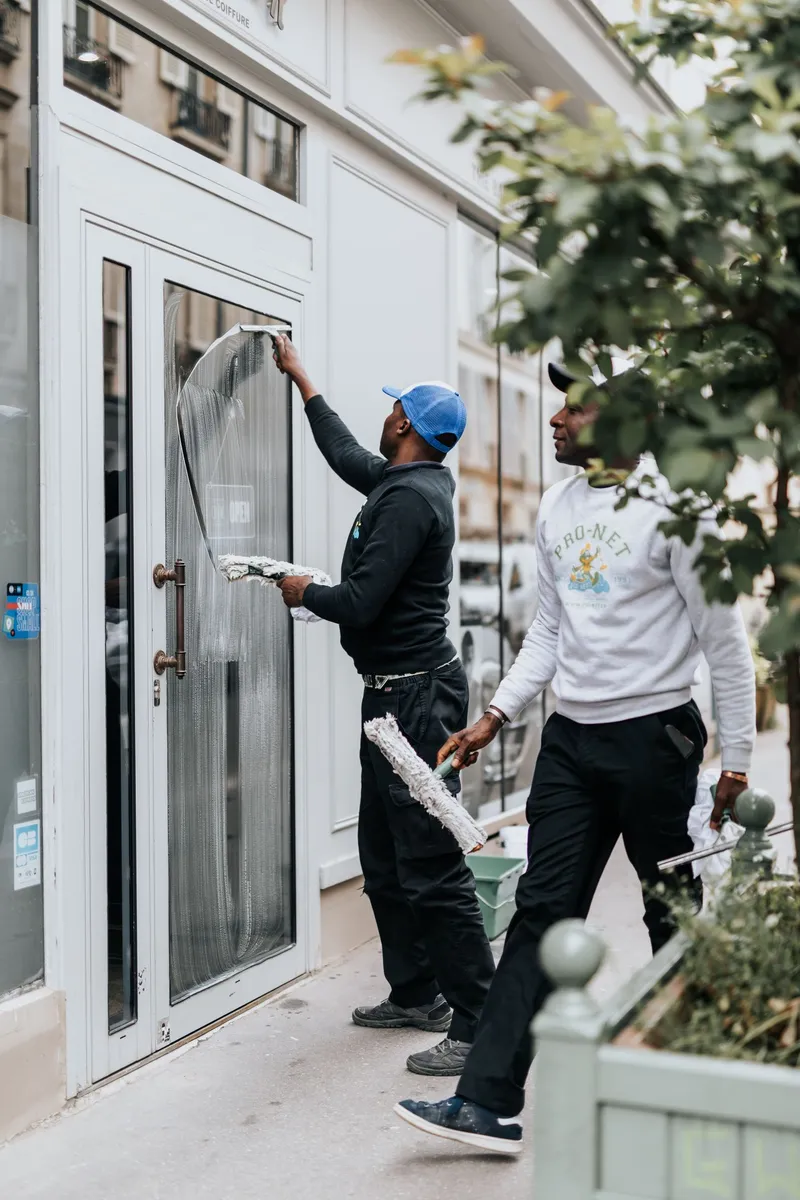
(391, 607)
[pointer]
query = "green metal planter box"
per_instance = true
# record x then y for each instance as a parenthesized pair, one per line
(496, 878)
(623, 1121)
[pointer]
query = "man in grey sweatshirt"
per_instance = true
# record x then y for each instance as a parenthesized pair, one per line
(621, 626)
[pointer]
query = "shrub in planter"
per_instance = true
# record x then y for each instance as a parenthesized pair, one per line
(740, 978)
(684, 1083)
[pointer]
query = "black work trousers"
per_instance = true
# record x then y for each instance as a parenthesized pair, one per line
(592, 783)
(421, 890)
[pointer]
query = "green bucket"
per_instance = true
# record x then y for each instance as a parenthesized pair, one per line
(496, 878)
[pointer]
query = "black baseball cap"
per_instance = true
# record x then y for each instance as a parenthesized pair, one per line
(563, 380)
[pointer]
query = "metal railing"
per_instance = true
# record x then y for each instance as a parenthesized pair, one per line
(202, 118)
(92, 63)
(9, 26)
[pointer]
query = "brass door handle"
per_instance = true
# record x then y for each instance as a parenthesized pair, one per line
(177, 661)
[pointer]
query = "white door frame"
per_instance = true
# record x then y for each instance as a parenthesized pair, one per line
(111, 1052)
(72, 512)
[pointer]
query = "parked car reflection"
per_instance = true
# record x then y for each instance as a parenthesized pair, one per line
(480, 588)
(506, 765)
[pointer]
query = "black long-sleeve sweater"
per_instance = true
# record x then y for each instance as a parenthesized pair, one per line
(392, 602)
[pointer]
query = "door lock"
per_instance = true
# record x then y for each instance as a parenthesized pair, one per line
(156, 693)
(177, 661)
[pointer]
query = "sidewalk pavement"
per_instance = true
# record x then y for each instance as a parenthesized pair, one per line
(292, 1102)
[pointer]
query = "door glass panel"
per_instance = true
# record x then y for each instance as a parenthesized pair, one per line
(479, 552)
(231, 855)
(120, 812)
(521, 437)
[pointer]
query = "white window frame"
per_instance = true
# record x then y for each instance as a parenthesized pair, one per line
(172, 70)
(116, 45)
(226, 99)
(262, 118)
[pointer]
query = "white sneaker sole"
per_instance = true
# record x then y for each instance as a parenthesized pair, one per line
(479, 1141)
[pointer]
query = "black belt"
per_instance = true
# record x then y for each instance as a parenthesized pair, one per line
(380, 681)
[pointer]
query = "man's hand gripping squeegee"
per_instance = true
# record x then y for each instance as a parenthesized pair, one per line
(426, 785)
(270, 571)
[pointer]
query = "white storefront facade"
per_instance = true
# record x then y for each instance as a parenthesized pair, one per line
(202, 163)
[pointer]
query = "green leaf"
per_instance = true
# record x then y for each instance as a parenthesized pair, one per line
(762, 405)
(750, 446)
(575, 202)
(781, 633)
(632, 437)
(655, 194)
(547, 242)
(769, 146)
(708, 247)
(618, 323)
(536, 292)
(580, 391)
(689, 468)
(763, 84)
(464, 131)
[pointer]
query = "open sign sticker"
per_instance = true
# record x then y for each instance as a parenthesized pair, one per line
(230, 511)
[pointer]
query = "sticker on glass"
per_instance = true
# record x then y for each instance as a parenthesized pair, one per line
(230, 511)
(26, 796)
(21, 619)
(27, 855)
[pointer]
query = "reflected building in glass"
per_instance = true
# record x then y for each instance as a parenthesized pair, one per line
(21, 927)
(127, 72)
(505, 463)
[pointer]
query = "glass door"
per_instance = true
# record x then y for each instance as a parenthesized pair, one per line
(225, 732)
(193, 893)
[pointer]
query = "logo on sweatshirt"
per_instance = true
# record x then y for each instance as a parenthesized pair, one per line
(616, 546)
(587, 575)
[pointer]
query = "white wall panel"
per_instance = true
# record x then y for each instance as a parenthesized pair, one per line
(302, 43)
(382, 95)
(389, 323)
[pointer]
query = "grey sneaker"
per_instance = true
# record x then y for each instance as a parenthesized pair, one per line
(446, 1058)
(433, 1018)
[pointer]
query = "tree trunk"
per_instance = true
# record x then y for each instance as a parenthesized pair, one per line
(793, 697)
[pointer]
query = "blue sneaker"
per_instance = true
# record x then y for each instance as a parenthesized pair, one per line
(463, 1121)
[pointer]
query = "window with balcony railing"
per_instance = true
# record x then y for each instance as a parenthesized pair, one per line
(115, 64)
(90, 66)
(201, 118)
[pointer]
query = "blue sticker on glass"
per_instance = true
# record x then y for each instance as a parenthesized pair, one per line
(27, 855)
(22, 616)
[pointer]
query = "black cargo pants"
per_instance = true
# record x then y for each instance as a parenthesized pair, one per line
(421, 890)
(592, 783)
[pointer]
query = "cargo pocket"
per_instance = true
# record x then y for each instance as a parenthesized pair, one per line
(414, 711)
(416, 833)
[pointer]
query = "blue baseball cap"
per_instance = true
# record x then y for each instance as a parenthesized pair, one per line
(433, 408)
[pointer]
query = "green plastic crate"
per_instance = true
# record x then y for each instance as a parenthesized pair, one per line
(496, 878)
